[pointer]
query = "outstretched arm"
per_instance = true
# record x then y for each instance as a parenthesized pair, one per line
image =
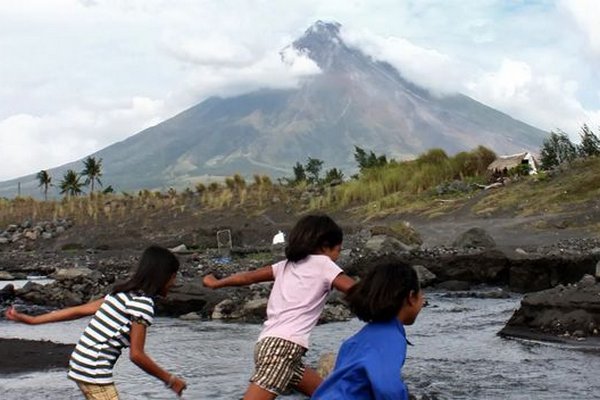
(139, 357)
(55, 316)
(263, 274)
(343, 283)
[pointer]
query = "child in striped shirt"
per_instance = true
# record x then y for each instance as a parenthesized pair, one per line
(119, 320)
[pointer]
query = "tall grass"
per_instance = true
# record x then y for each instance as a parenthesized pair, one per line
(235, 192)
(411, 177)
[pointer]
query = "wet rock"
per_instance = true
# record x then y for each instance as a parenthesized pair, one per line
(558, 311)
(426, 277)
(190, 297)
(454, 285)
(7, 293)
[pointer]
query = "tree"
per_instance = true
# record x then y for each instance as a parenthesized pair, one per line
(313, 169)
(299, 173)
(92, 170)
(370, 160)
(333, 175)
(590, 144)
(70, 184)
(557, 149)
(45, 181)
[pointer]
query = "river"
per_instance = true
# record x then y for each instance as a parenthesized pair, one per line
(456, 355)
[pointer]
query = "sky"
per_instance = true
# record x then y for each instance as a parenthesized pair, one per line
(79, 75)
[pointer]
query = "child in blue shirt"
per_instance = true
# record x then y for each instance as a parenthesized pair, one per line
(369, 364)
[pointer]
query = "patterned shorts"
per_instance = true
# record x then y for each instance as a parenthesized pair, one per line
(278, 364)
(98, 392)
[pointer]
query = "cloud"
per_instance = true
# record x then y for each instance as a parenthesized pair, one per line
(426, 67)
(519, 88)
(31, 143)
(274, 71)
(217, 51)
(585, 20)
(544, 100)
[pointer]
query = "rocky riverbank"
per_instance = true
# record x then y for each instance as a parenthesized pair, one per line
(472, 259)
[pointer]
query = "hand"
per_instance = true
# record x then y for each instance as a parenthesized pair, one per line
(178, 385)
(14, 315)
(210, 281)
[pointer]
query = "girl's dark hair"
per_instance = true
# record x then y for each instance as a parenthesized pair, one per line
(154, 270)
(379, 296)
(310, 234)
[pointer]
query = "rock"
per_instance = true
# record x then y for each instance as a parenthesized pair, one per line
(475, 237)
(7, 293)
(426, 277)
(31, 235)
(587, 280)
(182, 248)
(382, 244)
(226, 309)
(71, 273)
(192, 316)
(190, 297)
(454, 285)
(4, 240)
(335, 313)
(6, 276)
(519, 250)
(255, 309)
(558, 311)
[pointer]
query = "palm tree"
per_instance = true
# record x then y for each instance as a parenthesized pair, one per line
(70, 184)
(44, 179)
(92, 171)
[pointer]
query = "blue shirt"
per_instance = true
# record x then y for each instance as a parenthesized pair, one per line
(369, 365)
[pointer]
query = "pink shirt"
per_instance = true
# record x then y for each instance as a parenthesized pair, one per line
(298, 297)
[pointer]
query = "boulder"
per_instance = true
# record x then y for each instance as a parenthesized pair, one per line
(426, 277)
(558, 312)
(226, 309)
(475, 238)
(383, 244)
(190, 297)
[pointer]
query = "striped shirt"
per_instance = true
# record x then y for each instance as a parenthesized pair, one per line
(106, 335)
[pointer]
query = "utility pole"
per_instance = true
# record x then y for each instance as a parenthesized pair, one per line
(18, 189)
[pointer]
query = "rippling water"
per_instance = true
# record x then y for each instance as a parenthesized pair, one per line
(456, 355)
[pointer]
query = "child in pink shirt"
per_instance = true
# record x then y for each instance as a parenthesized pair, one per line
(302, 283)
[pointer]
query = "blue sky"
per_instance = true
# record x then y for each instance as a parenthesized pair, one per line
(77, 76)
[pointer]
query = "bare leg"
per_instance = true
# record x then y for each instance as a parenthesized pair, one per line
(310, 382)
(255, 392)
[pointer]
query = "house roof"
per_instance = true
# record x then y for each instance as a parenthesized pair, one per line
(507, 162)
